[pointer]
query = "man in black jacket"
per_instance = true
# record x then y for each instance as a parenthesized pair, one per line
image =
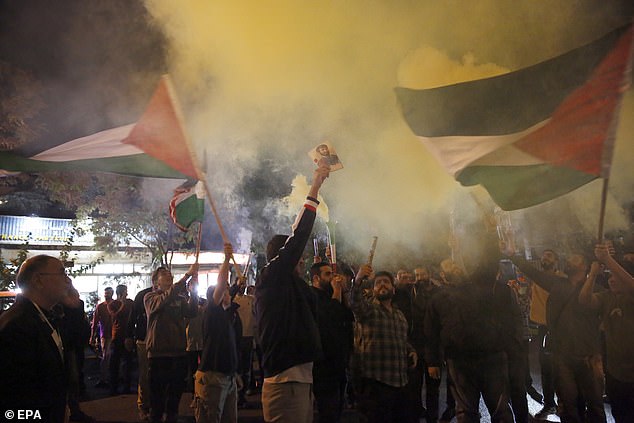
(335, 329)
(31, 351)
(286, 316)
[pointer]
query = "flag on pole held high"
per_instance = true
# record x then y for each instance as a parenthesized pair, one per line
(188, 204)
(530, 135)
(154, 146)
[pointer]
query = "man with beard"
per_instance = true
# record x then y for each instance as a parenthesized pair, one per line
(334, 320)
(383, 353)
(539, 297)
(575, 340)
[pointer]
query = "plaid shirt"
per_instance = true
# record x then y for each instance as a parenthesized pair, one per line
(381, 347)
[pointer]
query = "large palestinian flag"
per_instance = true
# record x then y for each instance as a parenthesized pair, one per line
(155, 146)
(531, 135)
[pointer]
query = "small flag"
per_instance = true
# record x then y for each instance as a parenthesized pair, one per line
(188, 204)
(531, 135)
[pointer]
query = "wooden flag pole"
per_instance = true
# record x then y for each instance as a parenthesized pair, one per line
(198, 241)
(225, 239)
(604, 200)
(199, 173)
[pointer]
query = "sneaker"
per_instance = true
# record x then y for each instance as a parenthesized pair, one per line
(545, 412)
(532, 392)
(448, 414)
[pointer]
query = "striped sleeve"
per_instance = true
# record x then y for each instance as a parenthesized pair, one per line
(311, 203)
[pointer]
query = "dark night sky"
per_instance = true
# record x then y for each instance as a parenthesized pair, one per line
(88, 56)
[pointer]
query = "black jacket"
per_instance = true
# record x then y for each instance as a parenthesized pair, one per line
(285, 306)
(471, 320)
(222, 330)
(31, 368)
(335, 329)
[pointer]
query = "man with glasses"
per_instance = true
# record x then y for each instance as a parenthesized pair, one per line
(31, 349)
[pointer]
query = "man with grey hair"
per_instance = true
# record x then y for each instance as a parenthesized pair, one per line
(31, 349)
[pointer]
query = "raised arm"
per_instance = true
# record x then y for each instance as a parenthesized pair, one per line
(602, 252)
(191, 306)
(358, 304)
(586, 295)
(290, 254)
(223, 275)
(543, 279)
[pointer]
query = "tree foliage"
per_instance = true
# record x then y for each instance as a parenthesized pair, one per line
(9, 269)
(119, 212)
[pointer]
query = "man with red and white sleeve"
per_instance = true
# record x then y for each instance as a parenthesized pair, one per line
(286, 313)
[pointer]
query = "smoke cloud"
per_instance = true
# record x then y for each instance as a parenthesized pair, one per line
(263, 82)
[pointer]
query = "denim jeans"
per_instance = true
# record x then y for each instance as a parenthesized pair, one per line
(216, 397)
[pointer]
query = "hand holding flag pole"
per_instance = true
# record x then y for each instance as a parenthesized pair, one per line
(199, 239)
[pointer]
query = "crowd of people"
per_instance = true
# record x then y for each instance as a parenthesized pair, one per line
(368, 339)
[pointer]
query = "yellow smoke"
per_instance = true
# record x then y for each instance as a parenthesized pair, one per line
(282, 75)
(295, 200)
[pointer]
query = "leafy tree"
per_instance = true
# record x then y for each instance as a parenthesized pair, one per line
(8, 270)
(119, 213)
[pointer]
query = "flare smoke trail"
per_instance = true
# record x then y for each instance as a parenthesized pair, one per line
(263, 82)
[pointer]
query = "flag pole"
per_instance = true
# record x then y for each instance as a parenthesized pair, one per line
(604, 200)
(198, 241)
(199, 173)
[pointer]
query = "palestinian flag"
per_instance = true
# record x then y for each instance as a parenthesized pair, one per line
(531, 135)
(154, 146)
(188, 204)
